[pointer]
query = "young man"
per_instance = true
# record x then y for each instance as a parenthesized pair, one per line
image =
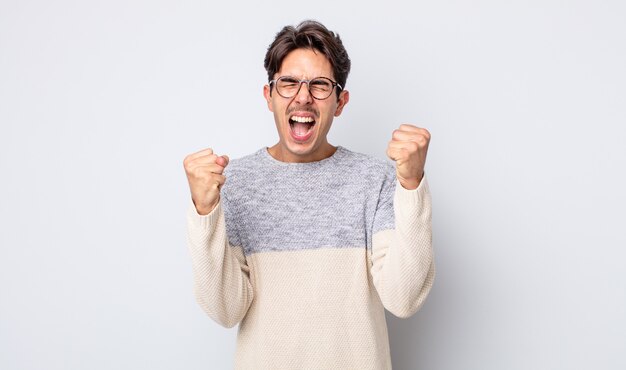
(308, 243)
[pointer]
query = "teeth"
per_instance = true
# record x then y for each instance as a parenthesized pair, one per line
(302, 119)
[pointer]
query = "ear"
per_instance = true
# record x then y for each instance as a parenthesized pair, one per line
(344, 98)
(268, 98)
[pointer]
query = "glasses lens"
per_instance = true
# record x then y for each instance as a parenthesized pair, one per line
(321, 87)
(287, 86)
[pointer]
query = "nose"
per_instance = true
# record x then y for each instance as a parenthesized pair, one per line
(303, 96)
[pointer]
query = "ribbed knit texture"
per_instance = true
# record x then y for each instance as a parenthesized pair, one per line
(306, 257)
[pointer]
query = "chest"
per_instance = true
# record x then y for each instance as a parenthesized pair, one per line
(302, 213)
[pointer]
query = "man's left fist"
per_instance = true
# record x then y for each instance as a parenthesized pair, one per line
(408, 147)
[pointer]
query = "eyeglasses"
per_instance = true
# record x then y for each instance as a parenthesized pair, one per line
(319, 87)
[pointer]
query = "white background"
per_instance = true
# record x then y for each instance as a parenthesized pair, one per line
(100, 101)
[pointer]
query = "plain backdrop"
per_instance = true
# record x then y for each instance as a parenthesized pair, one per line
(100, 101)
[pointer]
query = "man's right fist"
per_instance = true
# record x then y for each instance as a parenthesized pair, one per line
(204, 172)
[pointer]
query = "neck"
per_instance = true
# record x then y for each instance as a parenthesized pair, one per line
(280, 153)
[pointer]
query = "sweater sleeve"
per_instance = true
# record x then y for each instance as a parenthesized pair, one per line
(403, 266)
(221, 276)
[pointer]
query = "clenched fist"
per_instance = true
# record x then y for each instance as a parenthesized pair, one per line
(408, 147)
(204, 172)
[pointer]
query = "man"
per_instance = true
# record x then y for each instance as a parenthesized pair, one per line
(306, 243)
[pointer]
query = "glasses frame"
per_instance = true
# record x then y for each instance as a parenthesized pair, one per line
(300, 82)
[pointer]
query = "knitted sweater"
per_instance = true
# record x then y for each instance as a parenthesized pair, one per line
(306, 257)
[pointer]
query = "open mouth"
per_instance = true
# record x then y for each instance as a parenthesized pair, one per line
(301, 127)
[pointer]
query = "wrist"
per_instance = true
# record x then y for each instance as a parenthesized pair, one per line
(410, 184)
(204, 210)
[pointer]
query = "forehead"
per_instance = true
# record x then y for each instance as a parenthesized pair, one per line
(306, 64)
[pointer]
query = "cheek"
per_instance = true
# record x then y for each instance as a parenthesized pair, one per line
(276, 118)
(332, 112)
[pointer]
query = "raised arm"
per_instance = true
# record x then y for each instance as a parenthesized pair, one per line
(221, 276)
(403, 268)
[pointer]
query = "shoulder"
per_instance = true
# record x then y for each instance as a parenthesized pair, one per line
(365, 164)
(244, 164)
(240, 171)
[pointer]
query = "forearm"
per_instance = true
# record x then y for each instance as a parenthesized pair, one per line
(403, 262)
(221, 276)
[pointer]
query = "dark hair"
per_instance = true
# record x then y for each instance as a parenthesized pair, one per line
(308, 35)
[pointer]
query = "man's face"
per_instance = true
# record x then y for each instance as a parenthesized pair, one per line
(302, 121)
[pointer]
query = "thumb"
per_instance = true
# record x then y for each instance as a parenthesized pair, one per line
(222, 160)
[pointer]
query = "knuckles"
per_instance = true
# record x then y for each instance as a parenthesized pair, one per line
(189, 162)
(409, 132)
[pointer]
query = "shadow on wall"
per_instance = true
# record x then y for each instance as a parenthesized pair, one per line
(417, 342)
(410, 339)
